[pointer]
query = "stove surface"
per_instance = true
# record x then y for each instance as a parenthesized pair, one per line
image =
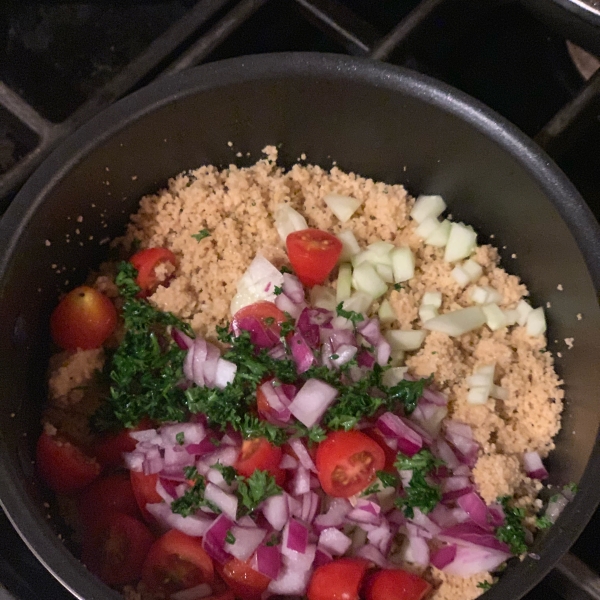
(60, 63)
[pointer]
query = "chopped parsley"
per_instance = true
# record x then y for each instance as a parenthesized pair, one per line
(315, 434)
(398, 286)
(204, 233)
(408, 395)
(278, 290)
(512, 532)
(285, 269)
(484, 585)
(543, 522)
(229, 538)
(229, 473)
(193, 499)
(355, 317)
(273, 540)
(419, 493)
(255, 489)
(386, 479)
(180, 438)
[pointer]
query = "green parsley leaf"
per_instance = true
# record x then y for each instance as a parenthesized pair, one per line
(398, 286)
(278, 290)
(512, 532)
(355, 317)
(419, 493)
(229, 537)
(484, 585)
(229, 473)
(387, 479)
(193, 499)
(285, 269)
(204, 233)
(315, 434)
(372, 489)
(180, 438)
(543, 522)
(408, 393)
(287, 326)
(273, 540)
(255, 489)
(571, 487)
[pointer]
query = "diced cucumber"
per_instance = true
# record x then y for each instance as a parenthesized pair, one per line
(396, 358)
(405, 339)
(495, 317)
(365, 279)
(512, 316)
(385, 272)
(288, 220)
(458, 322)
(499, 393)
(344, 283)
(523, 309)
(350, 245)
(427, 311)
(440, 235)
(461, 243)
(536, 322)
(473, 269)
(427, 206)
(359, 302)
(478, 395)
(433, 298)
(380, 248)
(393, 376)
(386, 313)
(479, 295)
(460, 276)
(343, 207)
(323, 297)
(403, 264)
(427, 227)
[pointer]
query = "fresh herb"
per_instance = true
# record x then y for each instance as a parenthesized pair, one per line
(315, 434)
(512, 532)
(204, 233)
(398, 286)
(543, 522)
(387, 479)
(334, 356)
(408, 393)
(193, 499)
(287, 326)
(229, 537)
(571, 487)
(190, 472)
(273, 540)
(229, 473)
(419, 493)
(180, 438)
(268, 321)
(351, 315)
(484, 585)
(372, 489)
(146, 368)
(255, 489)
(278, 290)
(285, 269)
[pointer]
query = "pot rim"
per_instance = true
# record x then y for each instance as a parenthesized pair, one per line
(21, 510)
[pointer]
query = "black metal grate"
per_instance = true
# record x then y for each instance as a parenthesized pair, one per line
(64, 62)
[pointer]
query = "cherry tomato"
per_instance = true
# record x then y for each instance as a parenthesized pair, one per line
(338, 580)
(146, 262)
(395, 584)
(263, 320)
(313, 254)
(177, 562)
(116, 548)
(259, 453)
(108, 494)
(109, 448)
(347, 462)
(243, 580)
(144, 490)
(62, 465)
(390, 455)
(85, 318)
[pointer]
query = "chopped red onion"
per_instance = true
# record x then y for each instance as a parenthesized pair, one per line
(214, 538)
(308, 324)
(225, 373)
(288, 462)
(276, 511)
(372, 554)
(301, 353)
(293, 288)
(435, 397)
(227, 503)
(312, 401)
(496, 514)
(197, 592)
(326, 352)
(370, 330)
(297, 445)
(295, 537)
(430, 417)
(416, 550)
(176, 456)
(471, 560)
(381, 537)
(322, 557)
(397, 517)
(425, 523)
(153, 462)
(475, 507)
(279, 403)
(134, 461)
(310, 506)
(383, 351)
(334, 541)
(292, 580)
(166, 489)
(204, 447)
(278, 352)
(456, 486)
(534, 467)
(183, 340)
(343, 354)
(555, 507)
(284, 303)
(301, 481)
(365, 511)
(225, 455)
(469, 534)
(247, 540)
(193, 433)
(193, 525)
(267, 561)
(443, 451)
(294, 506)
(215, 476)
(334, 517)
(147, 435)
(460, 436)
(260, 335)
(365, 359)
(391, 425)
(443, 556)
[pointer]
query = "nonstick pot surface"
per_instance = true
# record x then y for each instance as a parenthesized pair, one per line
(380, 121)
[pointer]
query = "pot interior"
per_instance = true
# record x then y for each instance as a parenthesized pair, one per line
(376, 120)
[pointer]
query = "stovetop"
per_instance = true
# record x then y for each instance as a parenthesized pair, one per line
(61, 63)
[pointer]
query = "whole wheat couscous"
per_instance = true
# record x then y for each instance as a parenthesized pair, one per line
(489, 400)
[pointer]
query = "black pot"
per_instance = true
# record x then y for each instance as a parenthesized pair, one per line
(380, 121)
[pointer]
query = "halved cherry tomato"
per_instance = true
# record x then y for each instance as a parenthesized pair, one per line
(259, 453)
(116, 548)
(313, 254)
(177, 562)
(85, 318)
(144, 490)
(338, 580)
(108, 494)
(146, 261)
(347, 462)
(395, 584)
(263, 320)
(109, 448)
(243, 580)
(62, 465)
(390, 455)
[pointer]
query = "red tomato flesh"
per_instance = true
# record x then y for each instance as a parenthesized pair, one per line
(390, 455)
(313, 254)
(115, 550)
(395, 584)
(85, 318)
(259, 453)
(144, 490)
(63, 466)
(177, 562)
(146, 263)
(109, 448)
(347, 462)
(243, 580)
(263, 320)
(338, 580)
